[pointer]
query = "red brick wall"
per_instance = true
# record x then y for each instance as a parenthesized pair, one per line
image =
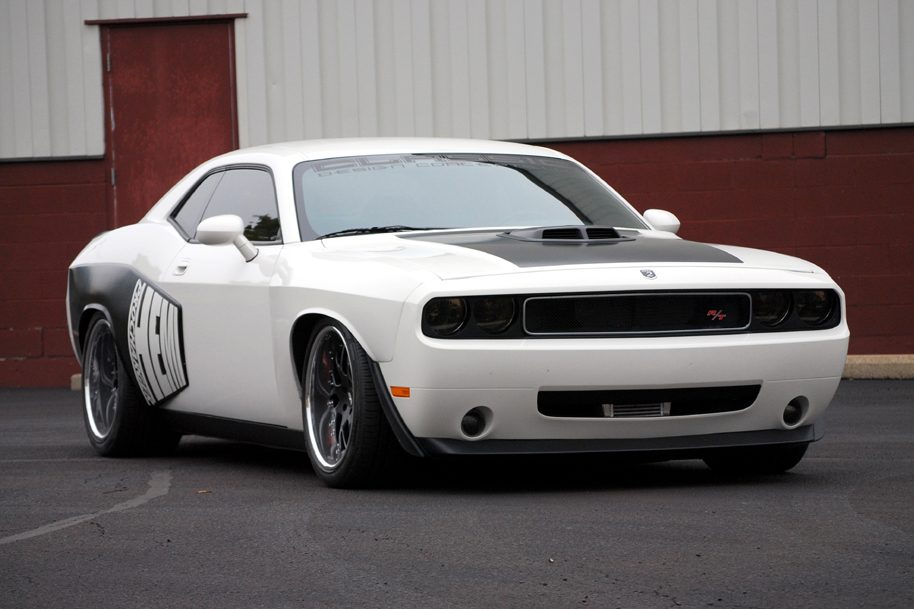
(841, 199)
(48, 211)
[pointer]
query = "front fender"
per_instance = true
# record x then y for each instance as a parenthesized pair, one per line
(365, 293)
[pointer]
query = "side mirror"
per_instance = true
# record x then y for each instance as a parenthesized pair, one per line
(222, 230)
(662, 220)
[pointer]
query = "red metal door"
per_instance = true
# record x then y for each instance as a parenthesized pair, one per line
(170, 96)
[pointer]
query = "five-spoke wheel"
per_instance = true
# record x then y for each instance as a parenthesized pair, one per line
(328, 405)
(118, 421)
(348, 439)
(101, 384)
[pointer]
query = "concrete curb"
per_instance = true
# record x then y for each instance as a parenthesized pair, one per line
(879, 367)
(857, 367)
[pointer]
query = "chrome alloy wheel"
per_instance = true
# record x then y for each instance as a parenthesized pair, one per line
(329, 398)
(100, 379)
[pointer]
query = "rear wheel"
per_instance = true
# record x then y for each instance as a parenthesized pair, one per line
(349, 441)
(118, 421)
(757, 460)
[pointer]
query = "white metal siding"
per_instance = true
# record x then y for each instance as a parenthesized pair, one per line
(504, 69)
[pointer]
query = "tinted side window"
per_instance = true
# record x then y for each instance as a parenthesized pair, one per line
(248, 193)
(189, 214)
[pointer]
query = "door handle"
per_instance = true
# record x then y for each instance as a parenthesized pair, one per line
(181, 268)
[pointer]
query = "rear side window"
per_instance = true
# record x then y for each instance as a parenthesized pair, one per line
(248, 193)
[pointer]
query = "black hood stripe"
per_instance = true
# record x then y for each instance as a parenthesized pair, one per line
(636, 250)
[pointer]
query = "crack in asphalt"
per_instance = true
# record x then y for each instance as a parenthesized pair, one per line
(159, 483)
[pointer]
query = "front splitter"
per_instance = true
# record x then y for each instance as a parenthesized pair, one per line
(766, 437)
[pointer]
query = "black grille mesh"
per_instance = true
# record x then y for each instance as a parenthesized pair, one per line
(636, 313)
(682, 401)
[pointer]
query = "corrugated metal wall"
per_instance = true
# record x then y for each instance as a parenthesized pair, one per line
(504, 69)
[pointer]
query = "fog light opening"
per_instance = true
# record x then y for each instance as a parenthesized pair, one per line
(794, 411)
(474, 422)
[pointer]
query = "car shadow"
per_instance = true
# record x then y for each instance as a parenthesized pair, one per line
(584, 472)
(241, 454)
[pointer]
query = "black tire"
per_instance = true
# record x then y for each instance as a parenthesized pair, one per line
(349, 441)
(118, 421)
(756, 460)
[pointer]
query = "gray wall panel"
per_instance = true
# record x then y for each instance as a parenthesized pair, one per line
(506, 69)
(906, 59)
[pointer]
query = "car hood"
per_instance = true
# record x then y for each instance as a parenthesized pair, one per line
(462, 254)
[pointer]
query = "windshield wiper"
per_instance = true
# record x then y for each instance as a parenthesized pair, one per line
(395, 228)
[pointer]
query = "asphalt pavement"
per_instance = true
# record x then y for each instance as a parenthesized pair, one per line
(223, 525)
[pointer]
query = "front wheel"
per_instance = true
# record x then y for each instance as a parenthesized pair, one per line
(756, 460)
(349, 441)
(118, 421)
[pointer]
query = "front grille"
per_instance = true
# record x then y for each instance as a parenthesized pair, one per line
(640, 403)
(637, 313)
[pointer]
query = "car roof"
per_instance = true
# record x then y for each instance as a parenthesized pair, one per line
(333, 148)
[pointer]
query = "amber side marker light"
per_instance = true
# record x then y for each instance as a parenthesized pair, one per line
(399, 392)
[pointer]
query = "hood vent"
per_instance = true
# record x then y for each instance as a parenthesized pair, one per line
(602, 233)
(562, 233)
(579, 235)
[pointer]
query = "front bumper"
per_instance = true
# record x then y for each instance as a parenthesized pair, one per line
(447, 378)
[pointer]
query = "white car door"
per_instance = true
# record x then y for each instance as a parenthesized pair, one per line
(225, 300)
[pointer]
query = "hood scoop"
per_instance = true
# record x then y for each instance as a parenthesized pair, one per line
(577, 235)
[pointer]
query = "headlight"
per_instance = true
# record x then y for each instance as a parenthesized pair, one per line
(445, 315)
(814, 307)
(771, 307)
(493, 314)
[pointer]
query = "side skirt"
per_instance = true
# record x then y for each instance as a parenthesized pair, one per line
(278, 436)
(274, 436)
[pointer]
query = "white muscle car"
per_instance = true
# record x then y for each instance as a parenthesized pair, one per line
(359, 299)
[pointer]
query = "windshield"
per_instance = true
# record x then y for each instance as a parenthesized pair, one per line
(451, 191)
